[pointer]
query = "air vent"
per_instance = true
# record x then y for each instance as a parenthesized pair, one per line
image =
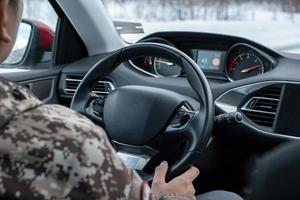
(262, 108)
(270, 92)
(101, 87)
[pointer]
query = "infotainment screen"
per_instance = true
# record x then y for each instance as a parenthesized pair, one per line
(209, 60)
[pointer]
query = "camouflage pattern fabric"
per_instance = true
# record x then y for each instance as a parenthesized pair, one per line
(14, 101)
(51, 152)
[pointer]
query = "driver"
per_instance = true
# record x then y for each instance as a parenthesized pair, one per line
(52, 152)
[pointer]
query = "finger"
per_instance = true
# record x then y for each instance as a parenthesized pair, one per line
(160, 172)
(190, 175)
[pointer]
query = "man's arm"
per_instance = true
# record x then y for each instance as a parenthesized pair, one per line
(50, 151)
(59, 153)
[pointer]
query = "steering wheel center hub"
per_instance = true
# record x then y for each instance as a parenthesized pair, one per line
(136, 114)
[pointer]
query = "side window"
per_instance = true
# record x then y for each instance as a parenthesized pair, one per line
(33, 47)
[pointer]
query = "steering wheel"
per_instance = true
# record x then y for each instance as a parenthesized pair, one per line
(135, 116)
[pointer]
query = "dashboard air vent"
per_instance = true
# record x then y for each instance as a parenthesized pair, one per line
(262, 108)
(101, 87)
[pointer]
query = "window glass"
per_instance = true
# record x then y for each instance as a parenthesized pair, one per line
(22, 41)
(275, 24)
(40, 10)
(33, 47)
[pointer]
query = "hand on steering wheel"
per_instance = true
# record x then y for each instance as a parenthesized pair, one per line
(181, 185)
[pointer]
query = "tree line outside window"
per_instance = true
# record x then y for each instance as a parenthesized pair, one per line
(171, 10)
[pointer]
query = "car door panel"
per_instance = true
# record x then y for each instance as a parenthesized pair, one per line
(43, 83)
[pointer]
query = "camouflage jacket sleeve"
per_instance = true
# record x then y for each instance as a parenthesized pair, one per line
(51, 152)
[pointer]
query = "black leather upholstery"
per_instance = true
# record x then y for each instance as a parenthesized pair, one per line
(278, 175)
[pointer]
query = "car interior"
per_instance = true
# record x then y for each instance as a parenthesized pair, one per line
(215, 101)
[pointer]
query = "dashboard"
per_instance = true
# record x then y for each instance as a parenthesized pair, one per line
(244, 77)
(231, 62)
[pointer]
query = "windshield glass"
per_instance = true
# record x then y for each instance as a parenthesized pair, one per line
(274, 23)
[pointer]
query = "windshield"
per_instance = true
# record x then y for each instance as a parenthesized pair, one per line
(274, 23)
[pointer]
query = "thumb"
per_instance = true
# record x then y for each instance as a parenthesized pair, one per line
(160, 173)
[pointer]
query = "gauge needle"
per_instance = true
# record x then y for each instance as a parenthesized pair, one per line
(165, 62)
(249, 69)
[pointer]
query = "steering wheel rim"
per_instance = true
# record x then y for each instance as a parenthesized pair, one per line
(200, 125)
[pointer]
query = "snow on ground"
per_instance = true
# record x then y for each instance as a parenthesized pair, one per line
(40, 10)
(282, 35)
(273, 28)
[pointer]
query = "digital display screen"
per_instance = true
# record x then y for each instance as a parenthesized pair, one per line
(209, 60)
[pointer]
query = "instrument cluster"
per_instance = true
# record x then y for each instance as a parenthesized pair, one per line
(240, 61)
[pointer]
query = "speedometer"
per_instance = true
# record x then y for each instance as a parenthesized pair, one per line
(244, 61)
(245, 65)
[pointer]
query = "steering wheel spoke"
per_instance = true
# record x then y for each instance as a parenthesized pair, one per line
(136, 157)
(181, 120)
(95, 107)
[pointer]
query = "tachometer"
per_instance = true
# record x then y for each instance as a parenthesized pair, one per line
(155, 66)
(166, 68)
(144, 64)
